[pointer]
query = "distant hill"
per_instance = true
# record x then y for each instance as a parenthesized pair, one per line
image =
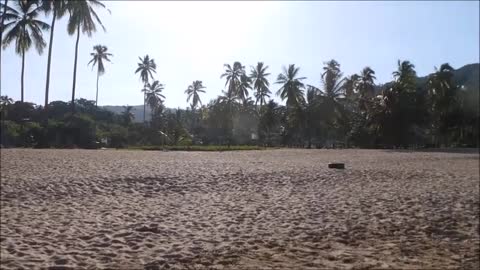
(468, 76)
(137, 111)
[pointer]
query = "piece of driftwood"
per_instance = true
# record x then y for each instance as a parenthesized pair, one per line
(336, 165)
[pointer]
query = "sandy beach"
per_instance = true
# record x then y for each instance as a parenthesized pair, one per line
(272, 209)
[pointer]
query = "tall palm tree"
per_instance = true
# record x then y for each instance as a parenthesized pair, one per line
(99, 54)
(442, 94)
(25, 28)
(153, 95)
(233, 77)
(146, 67)
(58, 9)
(193, 91)
(260, 83)
(82, 19)
(292, 87)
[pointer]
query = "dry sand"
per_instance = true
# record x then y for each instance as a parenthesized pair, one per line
(279, 209)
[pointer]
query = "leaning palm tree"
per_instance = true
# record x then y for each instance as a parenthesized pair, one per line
(260, 83)
(58, 9)
(146, 67)
(82, 19)
(292, 87)
(25, 28)
(193, 91)
(153, 95)
(100, 53)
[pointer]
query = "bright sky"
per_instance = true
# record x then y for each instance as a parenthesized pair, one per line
(193, 40)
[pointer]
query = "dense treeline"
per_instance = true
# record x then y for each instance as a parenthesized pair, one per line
(341, 110)
(350, 111)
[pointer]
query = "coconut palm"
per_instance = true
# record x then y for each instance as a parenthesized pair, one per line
(443, 95)
(193, 91)
(242, 89)
(98, 56)
(5, 101)
(332, 79)
(366, 87)
(366, 84)
(233, 77)
(25, 28)
(58, 9)
(260, 83)
(146, 67)
(405, 76)
(153, 95)
(83, 18)
(292, 87)
(350, 85)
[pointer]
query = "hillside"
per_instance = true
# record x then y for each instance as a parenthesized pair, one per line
(467, 76)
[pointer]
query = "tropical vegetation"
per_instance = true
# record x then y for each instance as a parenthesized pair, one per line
(350, 110)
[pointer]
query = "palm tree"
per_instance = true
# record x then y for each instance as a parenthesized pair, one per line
(82, 19)
(146, 67)
(242, 89)
(127, 115)
(233, 77)
(292, 87)
(100, 53)
(58, 9)
(193, 91)
(405, 76)
(5, 101)
(25, 29)
(153, 95)
(366, 87)
(350, 85)
(442, 94)
(260, 83)
(332, 79)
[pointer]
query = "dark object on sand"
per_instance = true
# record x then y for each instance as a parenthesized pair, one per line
(336, 165)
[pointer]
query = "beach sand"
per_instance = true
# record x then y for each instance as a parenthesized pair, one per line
(272, 209)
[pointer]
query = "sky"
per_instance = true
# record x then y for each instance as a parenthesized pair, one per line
(193, 40)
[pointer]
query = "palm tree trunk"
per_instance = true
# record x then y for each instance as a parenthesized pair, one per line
(23, 72)
(75, 69)
(144, 97)
(47, 85)
(1, 38)
(96, 97)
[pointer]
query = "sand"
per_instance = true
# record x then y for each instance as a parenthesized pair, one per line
(275, 209)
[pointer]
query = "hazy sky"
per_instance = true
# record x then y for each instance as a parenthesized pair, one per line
(193, 40)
